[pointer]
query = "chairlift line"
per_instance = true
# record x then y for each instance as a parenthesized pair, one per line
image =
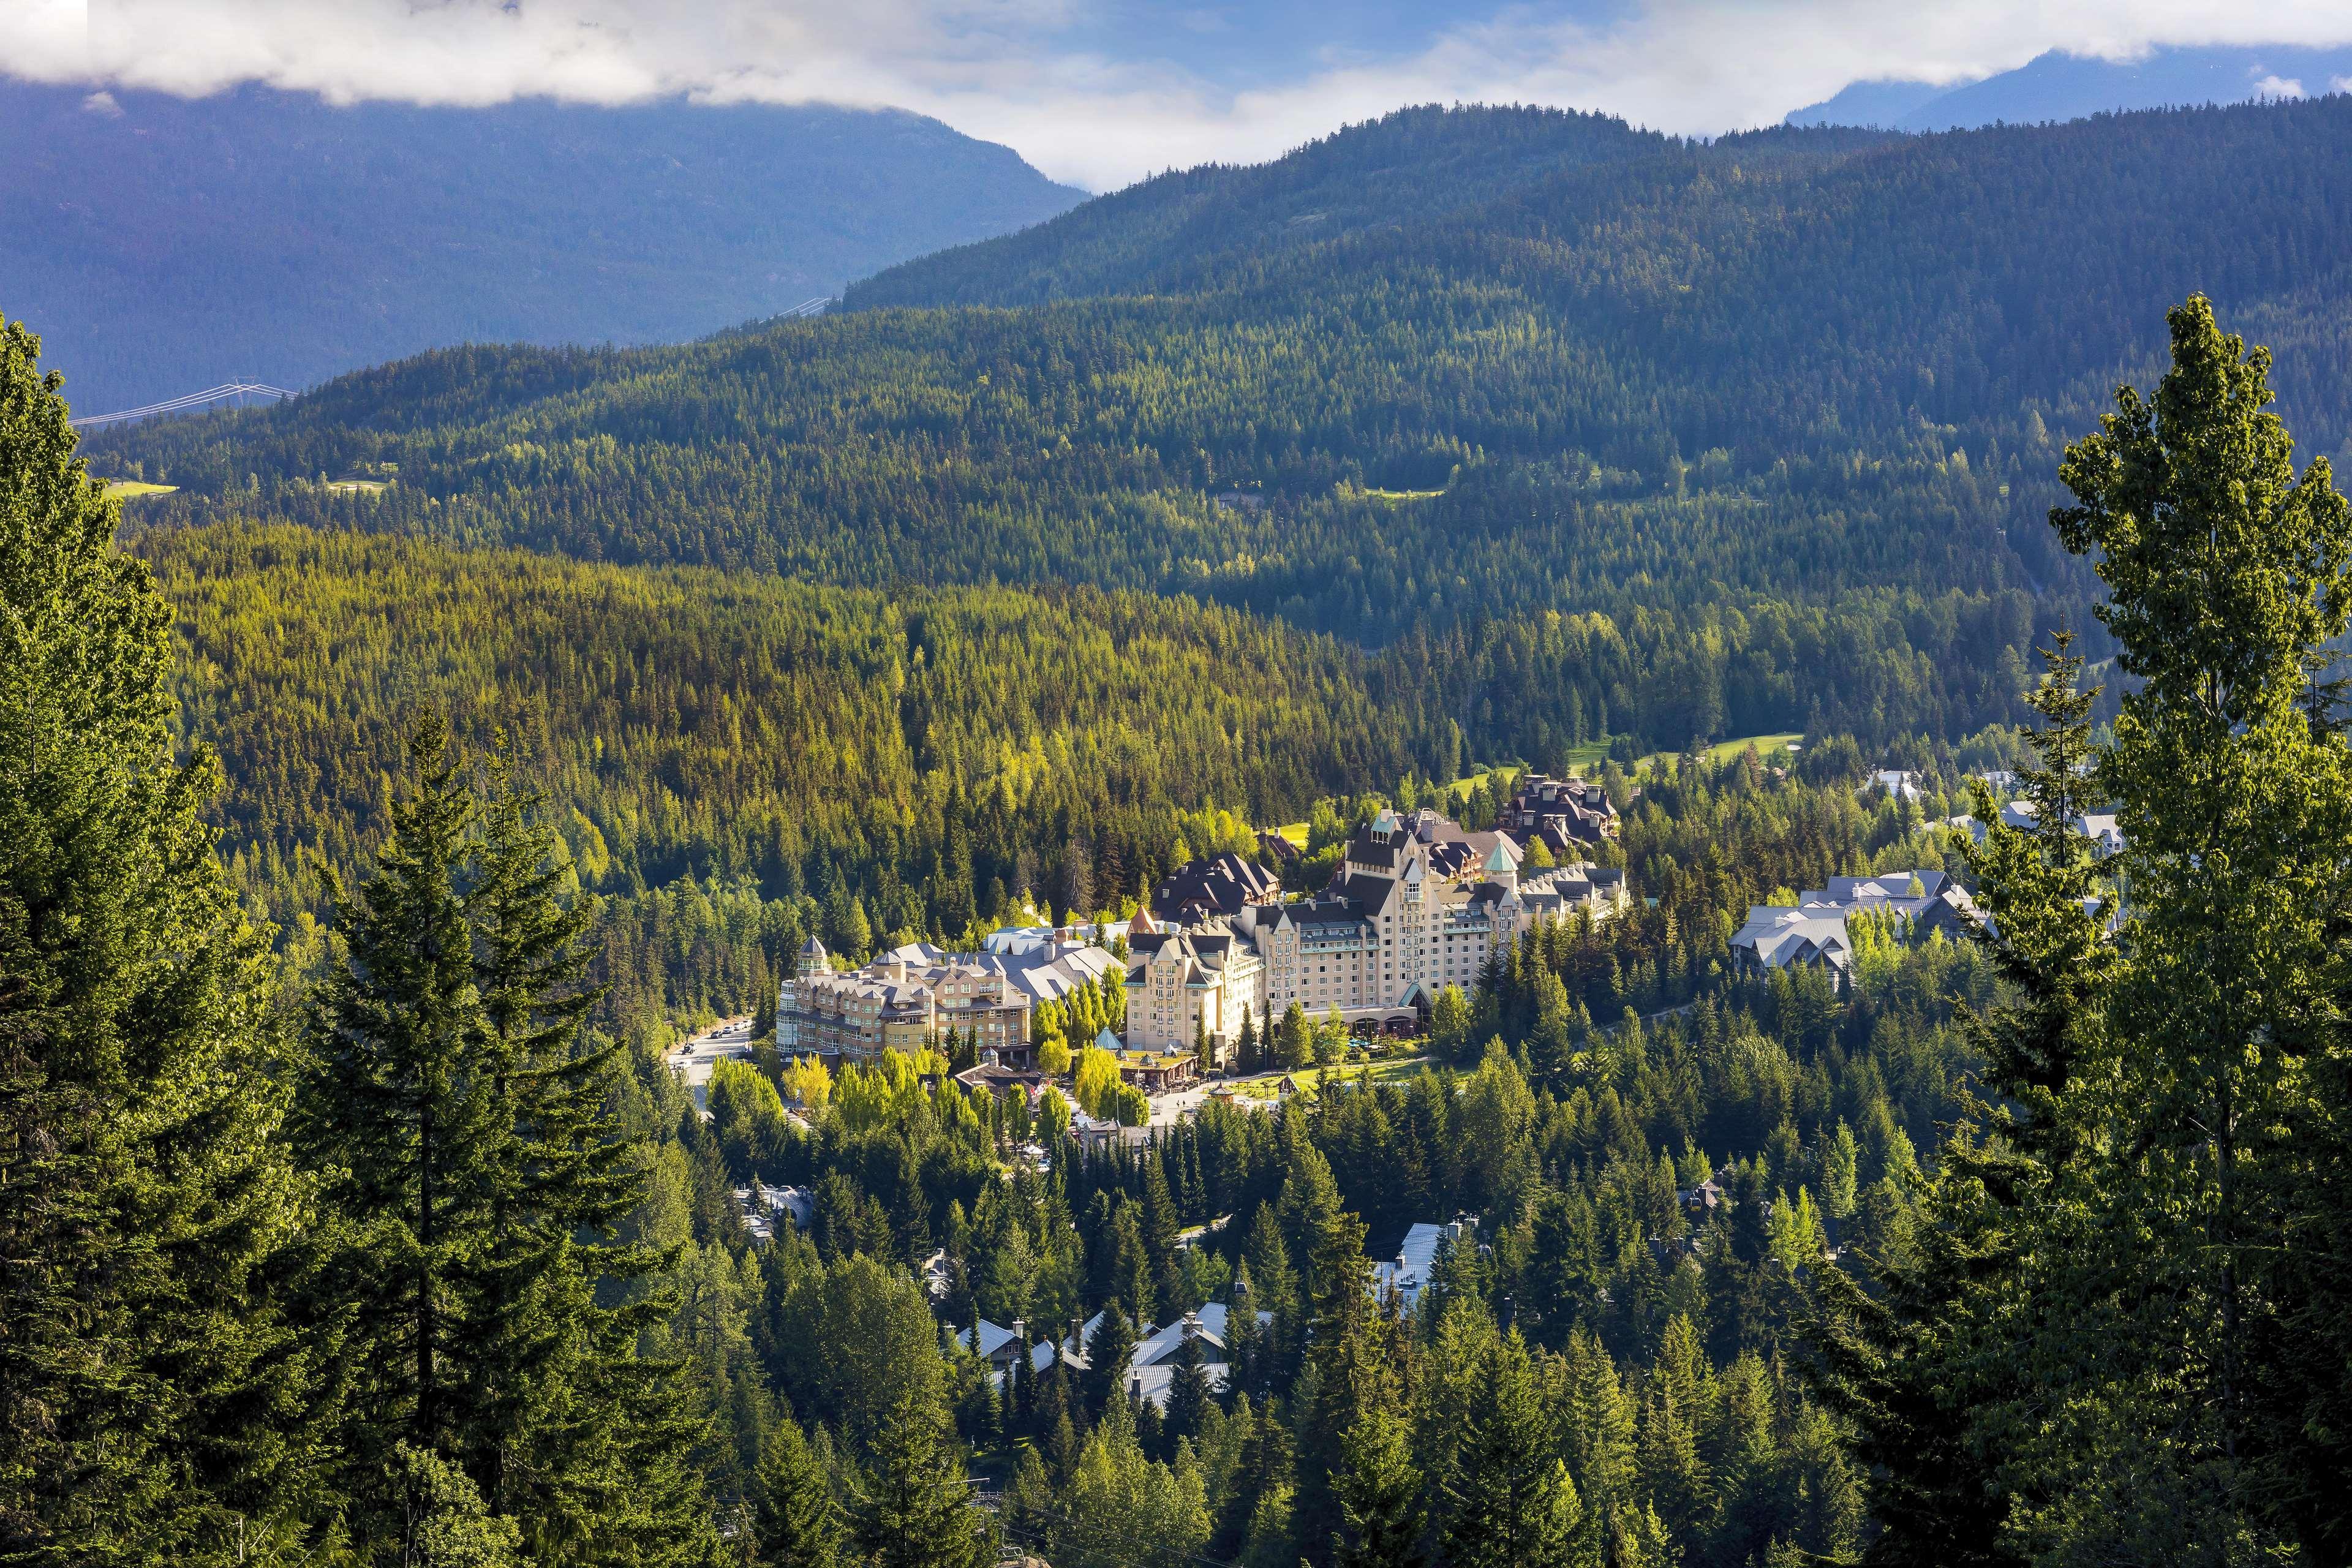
(192, 400)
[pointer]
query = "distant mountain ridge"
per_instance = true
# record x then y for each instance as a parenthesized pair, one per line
(1161, 234)
(161, 244)
(2060, 86)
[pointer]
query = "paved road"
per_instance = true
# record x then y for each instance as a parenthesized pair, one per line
(1168, 1110)
(693, 1060)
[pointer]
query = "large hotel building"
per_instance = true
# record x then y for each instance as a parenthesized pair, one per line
(1416, 905)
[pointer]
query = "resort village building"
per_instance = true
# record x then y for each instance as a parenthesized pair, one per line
(1560, 813)
(1812, 931)
(1416, 905)
(910, 997)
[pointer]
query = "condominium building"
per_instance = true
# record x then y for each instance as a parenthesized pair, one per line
(892, 1003)
(1560, 812)
(1812, 932)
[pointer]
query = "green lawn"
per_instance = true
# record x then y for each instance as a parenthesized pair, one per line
(1401, 495)
(1309, 1079)
(354, 487)
(1724, 751)
(131, 489)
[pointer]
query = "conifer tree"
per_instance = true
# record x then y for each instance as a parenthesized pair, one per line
(1350, 1370)
(1509, 1501)
(2230, 581)
(795, 1522)
(2144, 1179)
(1189, 1390)
(1379, 1491)
(401, 1102)
(911, 1509)
(565, 1414)
(154, 1405)
(1109, 1353)
(1673, 1474)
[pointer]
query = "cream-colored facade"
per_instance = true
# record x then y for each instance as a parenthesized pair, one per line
(1417, 904)
(892, 1005)
(1183, 986)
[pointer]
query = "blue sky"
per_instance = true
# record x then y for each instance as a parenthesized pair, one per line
(1100, 92)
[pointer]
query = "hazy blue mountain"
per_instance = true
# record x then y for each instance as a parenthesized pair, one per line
(2061, 86)
(1876, 105)
(161, 244)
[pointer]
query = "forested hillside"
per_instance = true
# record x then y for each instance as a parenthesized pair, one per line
(185, 242)
(927, 757)
(1800, 380)
(1409, 167)
(2026, 1249)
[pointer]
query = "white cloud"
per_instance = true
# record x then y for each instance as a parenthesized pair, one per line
(2278, 87)
(994, 67)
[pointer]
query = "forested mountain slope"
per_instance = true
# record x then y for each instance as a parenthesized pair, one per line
(1809, 380)
(933, 750)
(1409, 167)
(168, 244)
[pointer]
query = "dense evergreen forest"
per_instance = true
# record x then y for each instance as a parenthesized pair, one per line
(1781, 408)
(401, 1244)
(856, 764)
(860, 765)
(2021, 1250)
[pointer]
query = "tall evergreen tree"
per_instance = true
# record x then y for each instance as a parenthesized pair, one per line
(1509, 1501)
(796, 1522)
(911, 1510)
(2229, 577)
(1350, 1374)
(1897, 1363)
(1380, 1519)
(153, 1405)
(1109, 1354)
(1190, 1391)
(401, 1102)
(2073, 1353)
(566, 1417)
